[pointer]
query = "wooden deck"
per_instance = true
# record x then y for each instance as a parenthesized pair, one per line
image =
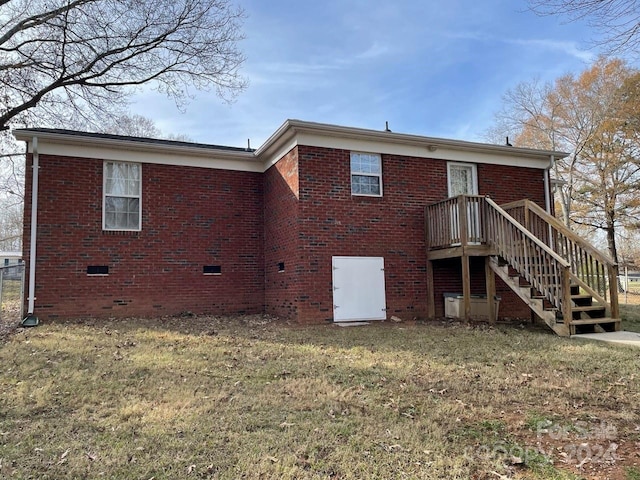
(564, 280)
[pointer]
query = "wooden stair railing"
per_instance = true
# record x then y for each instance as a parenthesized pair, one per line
(594, 272)
(543, 269)
(554, 271)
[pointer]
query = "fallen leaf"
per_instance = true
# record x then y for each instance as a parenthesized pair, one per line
(63, 457)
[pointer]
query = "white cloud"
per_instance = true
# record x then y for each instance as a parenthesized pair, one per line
(569, 48)
(433, 68)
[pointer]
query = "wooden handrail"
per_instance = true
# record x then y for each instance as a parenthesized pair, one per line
(558, 225)
(538, 246)
(544, 269)
(455, 221)
(477, 219)
(593, 270)
(526, 232)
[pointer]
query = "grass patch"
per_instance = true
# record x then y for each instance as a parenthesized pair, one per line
(630, 317)
(251, 398)
(10, 305)
(633, 473)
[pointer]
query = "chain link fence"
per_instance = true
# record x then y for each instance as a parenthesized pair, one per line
(11, 293)
(629, 289)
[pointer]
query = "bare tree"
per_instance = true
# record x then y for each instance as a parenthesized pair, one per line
(133, 125)
(12, 167)
(617, 20)
(595, 118)
(11, 193)
(72, 63)
(86, 55)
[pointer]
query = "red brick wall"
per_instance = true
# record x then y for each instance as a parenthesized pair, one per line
(333, 222)
(281, 236)
(191, 217)
(300, 212)
(506, 184)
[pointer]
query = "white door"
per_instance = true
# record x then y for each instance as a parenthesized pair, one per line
(462, 179)
(358, 289)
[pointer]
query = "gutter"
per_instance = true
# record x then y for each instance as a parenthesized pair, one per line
(31, 320)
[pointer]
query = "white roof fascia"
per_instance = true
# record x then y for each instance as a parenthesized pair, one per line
(357, 139)
(55, 143)
(290, 134)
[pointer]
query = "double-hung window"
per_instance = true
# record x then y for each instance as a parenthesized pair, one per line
(122, 199)
(366, 174)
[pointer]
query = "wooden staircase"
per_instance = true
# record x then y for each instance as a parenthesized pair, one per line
(588, 315)
(568, 284)
(565, 281)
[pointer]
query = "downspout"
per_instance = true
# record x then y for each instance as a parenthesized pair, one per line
(547, 198)
(34, 230)
(547, 185)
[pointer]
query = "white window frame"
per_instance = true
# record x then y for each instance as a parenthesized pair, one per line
(365, 174)
(105, 195)
(474, 176)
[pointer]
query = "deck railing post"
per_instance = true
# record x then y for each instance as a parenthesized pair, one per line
(567, 313)
(463, 228)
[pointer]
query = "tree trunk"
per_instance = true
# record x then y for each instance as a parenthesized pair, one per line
(611, 241)
(613, 249)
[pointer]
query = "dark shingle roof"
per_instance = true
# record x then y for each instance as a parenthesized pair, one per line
(142, 140)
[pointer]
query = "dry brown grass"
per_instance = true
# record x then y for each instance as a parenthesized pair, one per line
(10, 306)
(255, 398)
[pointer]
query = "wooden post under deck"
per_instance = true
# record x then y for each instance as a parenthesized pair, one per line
(466, 286)
(490, 279)
(431, 294)
(466, 271)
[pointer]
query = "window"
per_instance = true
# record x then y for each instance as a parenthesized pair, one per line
(366, 174)
(462, 179)
(122, 205)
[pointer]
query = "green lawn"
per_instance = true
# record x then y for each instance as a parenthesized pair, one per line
(252, 398)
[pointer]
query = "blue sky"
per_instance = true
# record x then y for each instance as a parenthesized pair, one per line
(428, 67)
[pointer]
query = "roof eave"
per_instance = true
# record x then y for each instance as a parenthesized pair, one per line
(291, 127)
(124, 144)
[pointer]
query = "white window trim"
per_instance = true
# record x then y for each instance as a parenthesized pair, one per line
(378, 175)
(104, 199)
(474, 176)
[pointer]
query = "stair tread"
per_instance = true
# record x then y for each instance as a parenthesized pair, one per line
(593, 321)
(588, 308)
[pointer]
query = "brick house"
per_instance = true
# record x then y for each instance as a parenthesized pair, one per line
(321, 223)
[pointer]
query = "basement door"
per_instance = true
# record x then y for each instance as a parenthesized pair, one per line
(358, 289)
